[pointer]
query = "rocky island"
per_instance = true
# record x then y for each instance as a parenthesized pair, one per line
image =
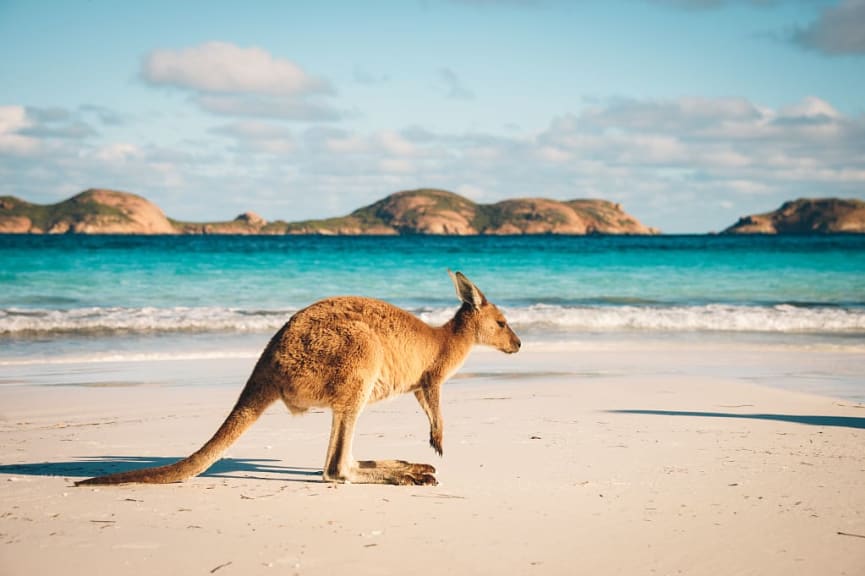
(806, 216)
(425, 211)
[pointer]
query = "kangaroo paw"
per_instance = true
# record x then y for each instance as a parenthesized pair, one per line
(436, 444)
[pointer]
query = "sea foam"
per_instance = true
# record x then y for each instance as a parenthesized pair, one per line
(535, 319)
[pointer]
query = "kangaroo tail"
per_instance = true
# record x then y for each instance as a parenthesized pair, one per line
(252, 403)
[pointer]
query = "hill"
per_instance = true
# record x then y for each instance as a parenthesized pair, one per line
(93, 211)
(806, 216)
(426, 211)
(430, 211)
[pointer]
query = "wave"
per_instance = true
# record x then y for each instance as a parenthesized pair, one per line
(778, 318)
(536, 319)
(109, 320)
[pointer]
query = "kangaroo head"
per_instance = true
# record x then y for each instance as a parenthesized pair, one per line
(491, 327)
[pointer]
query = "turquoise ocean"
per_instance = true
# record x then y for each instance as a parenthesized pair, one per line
(97, 298)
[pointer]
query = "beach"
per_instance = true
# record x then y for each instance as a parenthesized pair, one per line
(653, 216)
(614, 456)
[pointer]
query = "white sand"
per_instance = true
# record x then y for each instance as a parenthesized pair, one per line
(543, 472)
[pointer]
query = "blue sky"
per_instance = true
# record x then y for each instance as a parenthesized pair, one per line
(690, 113)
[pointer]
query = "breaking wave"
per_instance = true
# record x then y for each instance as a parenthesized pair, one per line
(535, 319)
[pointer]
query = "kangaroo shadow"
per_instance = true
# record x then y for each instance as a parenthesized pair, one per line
(835, 421)
(259, 469)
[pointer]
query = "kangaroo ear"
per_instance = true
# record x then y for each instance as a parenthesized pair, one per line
(467, 291)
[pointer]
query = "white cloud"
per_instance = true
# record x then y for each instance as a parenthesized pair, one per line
(395, 144)
(809, 110)
(396, 166)
(118, 152)
(554, 154)
(346, 144)
(683, 114)
(267, 106)
(229, 80)
(33, 130)
(259, 137)
(13, 119)
(220, 67)
(56, 123)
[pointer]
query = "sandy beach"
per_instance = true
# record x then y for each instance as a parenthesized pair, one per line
(605, 458)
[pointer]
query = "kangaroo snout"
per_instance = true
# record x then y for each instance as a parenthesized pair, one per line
(515, 344)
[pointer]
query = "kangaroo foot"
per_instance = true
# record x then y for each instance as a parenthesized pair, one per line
(398, 472)
(396, 465)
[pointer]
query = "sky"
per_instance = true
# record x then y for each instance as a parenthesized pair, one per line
(690, 113)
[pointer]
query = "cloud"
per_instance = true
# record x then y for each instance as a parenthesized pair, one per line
(266, 106)
(226, 79)
(13, 120)
(57, 123)
(839, 30)
(664, 160)
(117, 152)
(259, 137)
(395, 144)
(33, 130)
(29, 129)
(105, 115)
(671, 115)
(45, 157)
(711, 4)
(453, 86)
(220, 67)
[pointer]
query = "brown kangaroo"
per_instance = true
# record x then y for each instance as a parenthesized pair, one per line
(344, 353)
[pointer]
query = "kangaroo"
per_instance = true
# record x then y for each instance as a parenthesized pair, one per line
(343, 353)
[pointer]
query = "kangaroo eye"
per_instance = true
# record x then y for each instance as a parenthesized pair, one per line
(501, 323)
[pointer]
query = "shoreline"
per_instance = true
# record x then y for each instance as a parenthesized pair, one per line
(829, 367)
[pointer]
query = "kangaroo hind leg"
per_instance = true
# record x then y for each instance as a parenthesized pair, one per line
(340, 465)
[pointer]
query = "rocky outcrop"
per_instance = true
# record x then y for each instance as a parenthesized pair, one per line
(544, 216)
(93, 211)
(429, 211)
(246, 223)
(806, 216)
(609, 218)
(425, 211)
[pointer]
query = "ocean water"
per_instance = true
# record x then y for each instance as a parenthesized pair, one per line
(103, 298)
